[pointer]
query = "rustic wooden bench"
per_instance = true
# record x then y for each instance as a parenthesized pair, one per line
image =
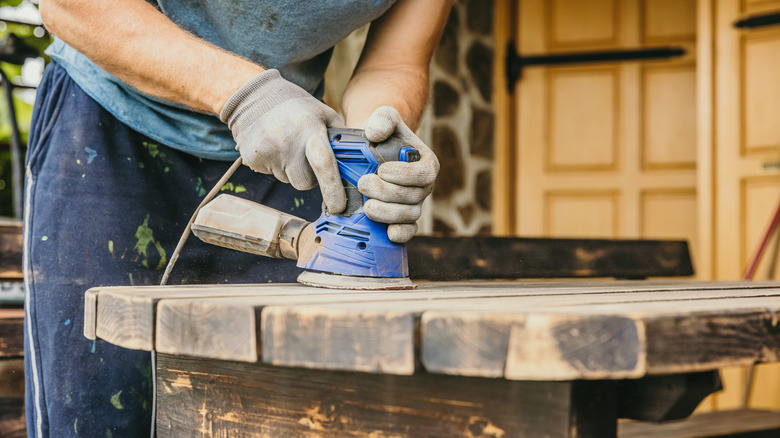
(481, 358)
(12, 421)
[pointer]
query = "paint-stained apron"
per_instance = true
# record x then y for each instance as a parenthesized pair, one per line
(104, 206)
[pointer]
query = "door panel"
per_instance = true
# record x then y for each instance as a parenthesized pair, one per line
(746, 135)
(575, 23)
(582, 214)
(606, 150)
(669, 117)
(584, 119)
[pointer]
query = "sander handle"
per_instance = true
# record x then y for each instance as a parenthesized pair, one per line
(392, 149)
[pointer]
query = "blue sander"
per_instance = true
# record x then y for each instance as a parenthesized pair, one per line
(340, 251)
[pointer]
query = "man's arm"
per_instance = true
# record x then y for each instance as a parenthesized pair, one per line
(279, 128)
(393, 68)
(138, 44)
(386, 97)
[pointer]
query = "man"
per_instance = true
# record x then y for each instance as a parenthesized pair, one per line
(136, 117)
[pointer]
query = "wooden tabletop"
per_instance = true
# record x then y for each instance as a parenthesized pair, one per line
(521, 330)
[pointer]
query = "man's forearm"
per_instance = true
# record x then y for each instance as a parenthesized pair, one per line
(406, 90)
(393, 68)
(138, 44)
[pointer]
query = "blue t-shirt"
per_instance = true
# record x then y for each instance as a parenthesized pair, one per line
(296, 37)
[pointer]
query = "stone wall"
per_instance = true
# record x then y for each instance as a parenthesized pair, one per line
(461, 120)
(458, 123)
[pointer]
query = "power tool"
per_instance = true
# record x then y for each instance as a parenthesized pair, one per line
(346, 250)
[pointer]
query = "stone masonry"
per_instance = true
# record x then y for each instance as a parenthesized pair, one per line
(458, 122)
(461, 120)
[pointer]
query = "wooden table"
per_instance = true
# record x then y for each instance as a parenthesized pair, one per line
(470, 359)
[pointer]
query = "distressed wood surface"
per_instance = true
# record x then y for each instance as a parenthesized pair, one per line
(721, 424)
(12, 418)
(456, 258)
(517, 330)
(10, 249)
(198, 397)
(11, 333)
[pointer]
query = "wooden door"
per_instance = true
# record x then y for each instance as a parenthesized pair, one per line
(746, 134)
(740, 156)
(606, 150)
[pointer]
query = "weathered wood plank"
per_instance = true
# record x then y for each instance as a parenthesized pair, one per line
(469, 330)
(564, 347)
(207, 329)
(686, 336)
(457, 258)
(215, 398)
(11, 333)
(90, 313)
(225, 327)
(378, 341)
(721, 424)
(10, 249)
(12, 418)
(125, 316)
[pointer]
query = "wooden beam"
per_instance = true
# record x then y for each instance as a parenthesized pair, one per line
(217, 398)
(11, 333)
(480, 257)
(12, 419)
(722, 424)
(10, 250)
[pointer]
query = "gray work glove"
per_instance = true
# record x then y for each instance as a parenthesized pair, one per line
(397, 189)
(281, 129)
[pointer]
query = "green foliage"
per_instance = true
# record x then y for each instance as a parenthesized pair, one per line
(23, 106)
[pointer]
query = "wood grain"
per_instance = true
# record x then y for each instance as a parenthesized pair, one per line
(724, 424)
(374, 341)
(10, 249)
(565, 347)
(90, 313)
(517, 330)
(12, 418)
(226, 325)
(125, 316)
(457, 258)
(216, 398)
(11, 333)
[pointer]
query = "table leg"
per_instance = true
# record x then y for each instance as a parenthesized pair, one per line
(199, 397)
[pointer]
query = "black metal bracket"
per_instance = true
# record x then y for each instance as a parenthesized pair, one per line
(515, 62)
(758, 21)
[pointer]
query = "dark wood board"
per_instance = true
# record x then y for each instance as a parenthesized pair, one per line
(722, 424)
(198, 397)
(12, 418)
(10, 249)
(11, 333)
(459, 258)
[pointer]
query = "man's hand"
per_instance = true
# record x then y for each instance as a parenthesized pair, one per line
(398, 189)
(281, 129)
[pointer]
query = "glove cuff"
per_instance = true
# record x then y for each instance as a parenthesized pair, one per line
(256, 97)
